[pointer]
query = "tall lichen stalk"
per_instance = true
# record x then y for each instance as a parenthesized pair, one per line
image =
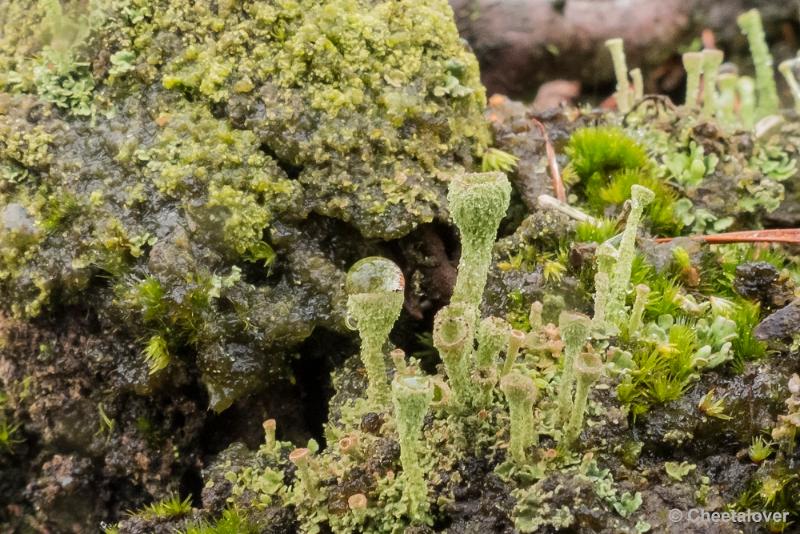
(478, 202)
(751, 25)
(412, 397)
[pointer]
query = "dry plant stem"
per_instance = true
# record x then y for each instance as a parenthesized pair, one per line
(778, 235)
(552, 163)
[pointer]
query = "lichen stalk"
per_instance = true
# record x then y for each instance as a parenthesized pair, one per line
(712, 59)
(515, 341)
(574, 329)
(635, 322)
(623, 94)
(615, 311)
(745, 90)
(478, 202)
(521, 393)
(638, 84)
(375, 288)
(588, 368)
(787, 69)
(606, 257)
(751, 25)
(453, 329)
(492, 338)
(726, 103)
(412, 397)
(693, 64)
(301, 458)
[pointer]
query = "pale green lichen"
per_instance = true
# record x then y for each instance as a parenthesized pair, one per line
(712, 59)
(521, 393)
(623, 94)
(588, 367)
(750, 24)
(635, 321)
(746, 91)
(621, 275)
(478, 202)
(412, 397)
(574, 330)
(453, 335)
(375, 288)
(693, 64)
(786, 68)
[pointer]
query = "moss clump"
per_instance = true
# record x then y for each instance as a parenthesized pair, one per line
(202, 148)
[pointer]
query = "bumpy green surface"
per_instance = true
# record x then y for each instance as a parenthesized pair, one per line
(159, 161)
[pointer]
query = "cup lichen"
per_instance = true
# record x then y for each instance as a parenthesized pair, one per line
(588, 368)
(375, 288)
(478, 202)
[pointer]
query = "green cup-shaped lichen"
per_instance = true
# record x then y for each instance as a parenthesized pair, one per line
(726, 103)
(492, 339)
(478, 202)
(750, 24)
(412, 397)
(606, 258)
(375, 287)
(521, 393)
(453, 334)
(588, 367)
(574, 329)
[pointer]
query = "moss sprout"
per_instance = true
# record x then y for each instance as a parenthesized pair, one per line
(453, 334)
(751, 25)
(693, 63)
(478, 202)
(574, 329)
(521, 393)
(786, 68)
(588, 368)
(375, 287)
(412, 397)
(492, 336)
(623, 94)
(712, 59)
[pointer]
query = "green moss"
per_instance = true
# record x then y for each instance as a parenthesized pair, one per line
(171, 507)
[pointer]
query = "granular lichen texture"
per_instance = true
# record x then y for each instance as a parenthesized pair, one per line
(178, 167)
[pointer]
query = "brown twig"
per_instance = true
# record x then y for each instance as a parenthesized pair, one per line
(552, 163)
(779, 235)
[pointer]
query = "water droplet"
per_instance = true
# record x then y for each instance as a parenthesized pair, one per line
(374, 275)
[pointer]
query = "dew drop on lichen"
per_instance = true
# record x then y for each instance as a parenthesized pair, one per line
(374, 275)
